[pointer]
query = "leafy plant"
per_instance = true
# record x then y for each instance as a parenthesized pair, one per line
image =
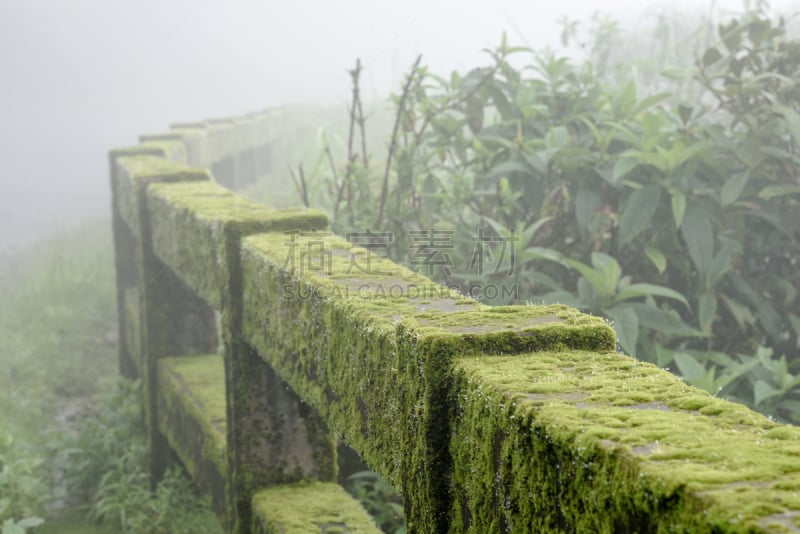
(10, 526)
(22, 490)
(379, 499)
(674, 218)
(103, 465)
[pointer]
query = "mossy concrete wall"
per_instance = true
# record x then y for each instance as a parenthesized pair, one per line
(486, 419)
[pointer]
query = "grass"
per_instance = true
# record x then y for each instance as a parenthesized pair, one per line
(57, 346)
(70, 437)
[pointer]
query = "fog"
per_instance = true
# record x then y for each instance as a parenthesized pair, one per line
(82, 76)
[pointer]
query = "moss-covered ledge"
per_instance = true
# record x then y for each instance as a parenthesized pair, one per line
(373, 349)
(132, 175)
(599, 442)
(195, 226)
(191, 414)
(307, 507)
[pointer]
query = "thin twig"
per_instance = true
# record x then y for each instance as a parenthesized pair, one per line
(393, 142)
(362, 128)
(355, 74)
(305, 185)
(300, 185)
(339, 185)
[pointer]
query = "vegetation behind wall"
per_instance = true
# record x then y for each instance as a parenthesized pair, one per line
(667, 204)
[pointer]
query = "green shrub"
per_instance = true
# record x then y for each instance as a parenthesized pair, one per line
(54, 346)
(379, 499)
(675, 219)
(22, 490)
(103, 466)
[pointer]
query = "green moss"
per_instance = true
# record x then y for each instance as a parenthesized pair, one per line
(132, 175)
(159, 137)
(573, 428)
(330, 267)
(145, 149)
(196, 225)
(202, 378)
(199, 125)
(167, 148)
(309, 507)
(192, 414)
(209, 201)
(144, 167)
(378, 364)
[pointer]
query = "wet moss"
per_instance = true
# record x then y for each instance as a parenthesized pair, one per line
(601, 432)
(169, 149)
(192, 415)
(378, 366)
(132, 175)
(309, 507)
(196, 225)
(330, 267)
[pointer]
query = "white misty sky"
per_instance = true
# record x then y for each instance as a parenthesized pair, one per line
(80, 76)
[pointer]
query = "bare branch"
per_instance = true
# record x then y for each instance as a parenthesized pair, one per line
(393, 142)
(301, 185)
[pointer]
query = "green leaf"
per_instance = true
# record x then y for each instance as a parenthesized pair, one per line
(610, 269)
(557, 138)
(711, 56)
(779, 190)
(650, 101)
(626, 325)
(504, 107)
(707, 310)
(696, 230)
(595, 277)
(30, 522)
(720, 265)
(528, 233)
(643, 290)
(678, 201)
(794, 320)
(657, 257)
(792, 121)
(544, 253)
(661, 321)
(506, 168)
(676, 74)
(763, 391)
(11, 528)
(496, 140)
(588, 295)
(733, 188)
(639, 211)
(536, 162)
(622, 167)
(741, 314)
(685, 113)
(766, 313)
(586, 201)
(627, 100)
(691, 370)
(664, 356)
